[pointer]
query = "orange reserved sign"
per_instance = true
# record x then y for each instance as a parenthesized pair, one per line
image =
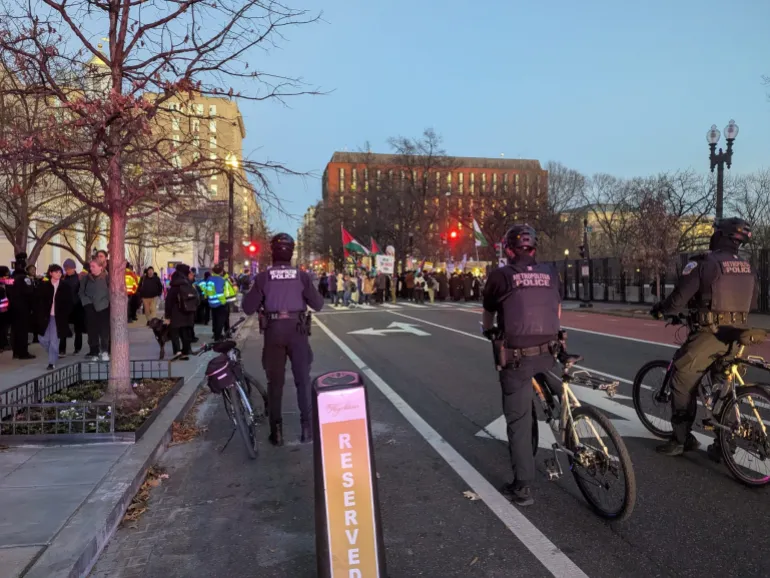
(348, 484)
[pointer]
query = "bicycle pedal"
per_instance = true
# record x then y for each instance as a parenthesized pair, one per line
(552, 470)
(707, 424)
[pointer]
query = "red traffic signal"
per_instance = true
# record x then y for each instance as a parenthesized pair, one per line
(253, 248)
(453, 235)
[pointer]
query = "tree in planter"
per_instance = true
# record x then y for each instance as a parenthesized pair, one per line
(111, 101)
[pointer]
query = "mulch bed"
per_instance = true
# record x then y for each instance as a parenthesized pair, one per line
(82, 418)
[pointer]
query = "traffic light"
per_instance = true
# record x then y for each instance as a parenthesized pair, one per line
(453, 235)
(582, 251)
(253, 248)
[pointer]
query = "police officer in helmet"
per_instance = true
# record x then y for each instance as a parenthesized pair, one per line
(719, 289)
(526, 298)
(281, 295)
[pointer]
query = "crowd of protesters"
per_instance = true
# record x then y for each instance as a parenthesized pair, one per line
(361, 287)
(64, 305)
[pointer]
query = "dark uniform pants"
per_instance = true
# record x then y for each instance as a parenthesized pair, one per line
(517, 407)
(691, 361)
(218, 320)
(282, 340)
(20, 333)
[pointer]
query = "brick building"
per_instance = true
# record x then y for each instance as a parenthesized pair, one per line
(454, 191)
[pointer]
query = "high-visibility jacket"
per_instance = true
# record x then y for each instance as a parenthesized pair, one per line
(132, 282)
(230, 292)
(214, 289)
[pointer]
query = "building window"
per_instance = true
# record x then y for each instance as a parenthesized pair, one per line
(177, 162)
(196, 141)
(494, 183)
(438, 181)
(414, 177)
(473, 183)
(353, 179)
(199, 109)
(355, 211)
(175, 123)
(483, 183)
(196, 125)
(173, 106)
(212, 126)
(213, 190)
(460, 184)
(516, 184)
(175, 138)
(213, 156)
(460, 204)
(196, 156)
(342, 199)
(449, 183)
(505, 183)
(212, 110)
(214, 177)
(390, 176)
(342, 179)
(378, 177)
(212, 141)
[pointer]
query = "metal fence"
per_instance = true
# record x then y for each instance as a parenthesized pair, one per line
(25, 403)
(610, 282)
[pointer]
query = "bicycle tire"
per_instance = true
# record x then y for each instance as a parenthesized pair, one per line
(248, 432)
(637, 393)
(228, 406)
(727, 456)
(629, 500)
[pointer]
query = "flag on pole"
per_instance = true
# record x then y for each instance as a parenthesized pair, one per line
(350, 245)
(481, 240)
(375, 247)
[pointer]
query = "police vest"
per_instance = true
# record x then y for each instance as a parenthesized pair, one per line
(229, 292)
(283, 290)
(733, 287)
(131, 283)
(215, 291)
(531, 308)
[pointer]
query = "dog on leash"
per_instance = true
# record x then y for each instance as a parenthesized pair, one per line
(161, 332)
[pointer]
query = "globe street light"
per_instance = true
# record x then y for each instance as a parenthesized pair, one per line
(232, 166)
(720, 159)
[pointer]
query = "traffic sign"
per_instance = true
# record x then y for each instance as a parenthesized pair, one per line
(584, 271)
(349, 540)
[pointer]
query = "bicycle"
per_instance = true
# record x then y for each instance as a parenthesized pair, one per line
(236, 394)
(720, 392)
(592, 457)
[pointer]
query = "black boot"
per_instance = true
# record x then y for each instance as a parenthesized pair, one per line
(276, 434)
(307, 434)
(671, 448)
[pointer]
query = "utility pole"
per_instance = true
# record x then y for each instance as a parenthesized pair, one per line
(585, 268)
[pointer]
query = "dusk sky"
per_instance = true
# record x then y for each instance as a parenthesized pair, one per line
(602, 86)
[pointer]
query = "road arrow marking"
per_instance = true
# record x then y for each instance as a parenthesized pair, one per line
(395, 327)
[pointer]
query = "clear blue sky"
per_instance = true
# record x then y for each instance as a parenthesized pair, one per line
(628, 88)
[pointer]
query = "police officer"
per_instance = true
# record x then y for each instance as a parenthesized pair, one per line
(282, 295)
(525, 297)
(20, 300)
(719, 289)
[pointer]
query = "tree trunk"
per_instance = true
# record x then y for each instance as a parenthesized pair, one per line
(657, 285)
(119, 387)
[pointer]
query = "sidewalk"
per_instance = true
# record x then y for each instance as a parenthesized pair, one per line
(42, 488)
(641, 311)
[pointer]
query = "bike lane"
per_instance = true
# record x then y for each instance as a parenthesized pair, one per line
(684, 505)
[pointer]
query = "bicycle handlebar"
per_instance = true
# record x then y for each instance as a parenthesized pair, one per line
(233, 328)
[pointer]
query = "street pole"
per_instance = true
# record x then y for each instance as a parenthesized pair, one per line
(718, 160)
(586, 268)
(230, 211)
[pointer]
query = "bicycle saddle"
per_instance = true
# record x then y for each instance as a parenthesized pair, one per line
(752, 336)
(223, 346)
(568, 359)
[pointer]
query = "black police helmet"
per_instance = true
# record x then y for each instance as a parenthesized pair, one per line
(733, 228)
(520, 237)
(282, 247)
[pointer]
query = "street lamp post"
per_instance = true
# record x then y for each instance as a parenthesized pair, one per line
(720, 159)
(566, 279)
(585, 268)
(232, 164)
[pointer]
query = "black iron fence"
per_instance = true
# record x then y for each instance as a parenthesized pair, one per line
(608, 281)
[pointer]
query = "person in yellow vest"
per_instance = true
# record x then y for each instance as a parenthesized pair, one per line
(132, 287)
(219, 292)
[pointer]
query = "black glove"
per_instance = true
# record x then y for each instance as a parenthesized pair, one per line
(655, 311)
(491, 333)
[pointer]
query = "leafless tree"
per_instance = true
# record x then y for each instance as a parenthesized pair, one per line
(748, 197)
(158, 53)
(610, 203)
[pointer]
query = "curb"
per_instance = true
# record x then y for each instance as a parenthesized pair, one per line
(76, 547)
(633, 314)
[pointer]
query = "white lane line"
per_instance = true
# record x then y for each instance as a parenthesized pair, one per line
(557, 563)
(469, 311)
(413, 305)
(621, 337)
(391, 306)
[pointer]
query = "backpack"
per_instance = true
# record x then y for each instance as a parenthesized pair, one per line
(188, 298)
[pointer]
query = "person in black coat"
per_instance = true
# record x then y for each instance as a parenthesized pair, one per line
(51, 308)
(78, 315)
(181, 322)
(20, 304)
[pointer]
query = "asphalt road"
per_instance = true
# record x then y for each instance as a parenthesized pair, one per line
(220, 515)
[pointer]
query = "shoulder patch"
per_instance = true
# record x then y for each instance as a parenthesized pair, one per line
(28, 281)
(689, 267)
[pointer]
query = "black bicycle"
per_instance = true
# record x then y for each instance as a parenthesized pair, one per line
(744, 440)
(227, 376)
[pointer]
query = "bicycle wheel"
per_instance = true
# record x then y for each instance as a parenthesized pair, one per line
(594, 456)
(651, 383)
(244, 421)
(744, 440)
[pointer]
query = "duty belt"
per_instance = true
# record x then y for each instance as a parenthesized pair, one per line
(722, 318)
(276, 315)
(530, 351)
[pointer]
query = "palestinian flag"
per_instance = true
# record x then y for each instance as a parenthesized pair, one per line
(375, 248)
(481, 240)
(350, 245)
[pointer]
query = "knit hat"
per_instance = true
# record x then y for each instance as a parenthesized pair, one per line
(69, 264)
(183, 269)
